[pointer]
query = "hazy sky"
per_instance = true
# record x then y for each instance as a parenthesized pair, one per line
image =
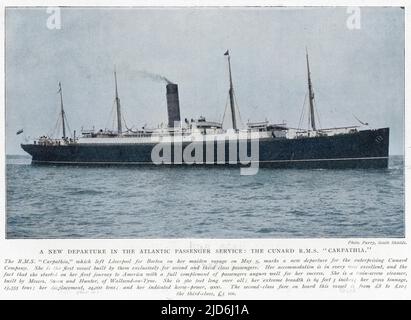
(358, 72)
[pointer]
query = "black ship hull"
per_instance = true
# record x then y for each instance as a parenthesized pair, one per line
(362, 149)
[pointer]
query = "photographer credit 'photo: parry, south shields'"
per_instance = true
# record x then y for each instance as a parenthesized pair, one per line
(212, 123)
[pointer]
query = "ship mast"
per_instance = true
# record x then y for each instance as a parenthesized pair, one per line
(311, 95)
(119, 129)
(62, 111)
(231, 92)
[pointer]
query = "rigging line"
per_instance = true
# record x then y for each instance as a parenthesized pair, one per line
(113, 117)
(226, 101)
(122, 117)
(56, 125)
(110, 115)
(124, 120)
(363, 123)
(67, 124)
(300, 127)
(56, 128)
(113, 124)
(302, 112)
(318, 114)
(50, 133)
(225, 109)
(238, 108)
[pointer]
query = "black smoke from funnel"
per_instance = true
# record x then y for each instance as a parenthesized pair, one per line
(154, 76)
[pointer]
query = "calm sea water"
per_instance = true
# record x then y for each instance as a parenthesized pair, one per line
(135, 202)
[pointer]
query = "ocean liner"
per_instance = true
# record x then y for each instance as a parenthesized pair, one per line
(279, 146)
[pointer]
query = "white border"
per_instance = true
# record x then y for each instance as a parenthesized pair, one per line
(18, 247)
